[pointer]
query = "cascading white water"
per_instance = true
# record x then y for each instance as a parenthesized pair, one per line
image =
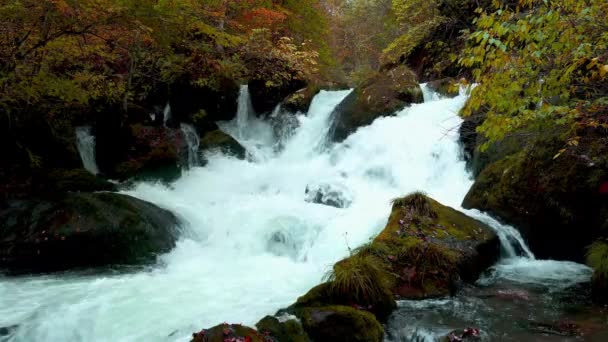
(86, 148)
(256, 135)
(166, 114)
(193, 141)
(252, 243)
(244, 112)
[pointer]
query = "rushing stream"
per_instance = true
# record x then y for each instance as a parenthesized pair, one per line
(252, 243)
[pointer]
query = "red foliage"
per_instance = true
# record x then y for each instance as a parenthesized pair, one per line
(262, 18)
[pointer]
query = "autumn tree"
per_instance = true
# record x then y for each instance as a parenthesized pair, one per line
(540, 63)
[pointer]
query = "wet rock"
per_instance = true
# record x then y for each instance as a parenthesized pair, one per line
(448, 87)
(189, 100)
(265, 97)
(333, 195)
(555, 328)
(144, 152)
(341, 324)
(285, 328)
(218, 140)
(79, 230)
(300, 100)
(381, 95)
(548, 197)
(431, 246)
(467, 334)
(229, 333)
(7, 332)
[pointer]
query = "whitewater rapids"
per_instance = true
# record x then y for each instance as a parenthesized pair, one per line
(251, 244)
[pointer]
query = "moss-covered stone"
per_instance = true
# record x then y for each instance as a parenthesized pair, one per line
(222, 141)
(83, 230)
(284, 330)
(229, 332)
(383, 94)
(300, 100)
(556, 201)
(448, 87)
(341, 324)
(381, 304)
(430, 246)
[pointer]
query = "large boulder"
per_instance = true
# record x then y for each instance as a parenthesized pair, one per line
(556, 195)
(154, 153)
(83, 230)
(381, 95)
(425, 250)
(430, 247)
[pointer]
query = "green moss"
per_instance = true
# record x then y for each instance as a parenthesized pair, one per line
(288, 331)
(341, 324)
(597, 258)
(361, 278)
(427, 244)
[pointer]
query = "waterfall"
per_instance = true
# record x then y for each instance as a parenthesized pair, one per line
(193, 142)
(252, 243)
(256, 135)
(85, 142)
(166, 114)
(244, 111)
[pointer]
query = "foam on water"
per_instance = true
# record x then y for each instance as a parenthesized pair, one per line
(251, 243)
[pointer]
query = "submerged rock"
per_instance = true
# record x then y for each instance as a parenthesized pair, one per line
(83, 230)
(333, 195)
(383, 94)
(218, 140)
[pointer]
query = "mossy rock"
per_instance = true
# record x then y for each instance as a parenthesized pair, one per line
(597, 258)
(284, 330)
(218, 140)
(229, 332)
(429, 247)
(558, 202)
(381, 304)
(382, 94)
(340, 324)
(447, 87)
(300, 100)
(82, 230)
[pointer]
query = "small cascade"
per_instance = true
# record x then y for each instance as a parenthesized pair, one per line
(193, 142)
(429, 94)
(86, 148)
(166, 114)
(512, 243)
(244, 111)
